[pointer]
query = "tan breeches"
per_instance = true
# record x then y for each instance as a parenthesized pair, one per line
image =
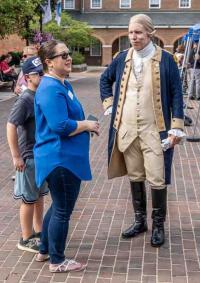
(144, 163)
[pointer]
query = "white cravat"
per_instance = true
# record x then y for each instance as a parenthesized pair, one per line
(140, 56)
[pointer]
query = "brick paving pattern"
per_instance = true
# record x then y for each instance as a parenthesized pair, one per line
(103, 210)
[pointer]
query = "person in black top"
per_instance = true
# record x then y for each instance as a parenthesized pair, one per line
(21, 139)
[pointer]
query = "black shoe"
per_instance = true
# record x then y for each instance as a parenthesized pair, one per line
(13, 178)
(159, 204)
(137, 228)
(187, 121)
(138, 192)
(29, 245)
(37, 235)
(158, 234)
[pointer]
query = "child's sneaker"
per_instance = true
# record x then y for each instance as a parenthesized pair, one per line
(29, 245)
(37, 235)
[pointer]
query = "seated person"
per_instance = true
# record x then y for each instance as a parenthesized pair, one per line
(8, 72)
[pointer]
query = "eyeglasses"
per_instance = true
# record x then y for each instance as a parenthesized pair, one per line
(63, 55)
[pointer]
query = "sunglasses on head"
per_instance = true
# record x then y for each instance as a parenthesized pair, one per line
(28, 55)
(63, 55)
(37, 73)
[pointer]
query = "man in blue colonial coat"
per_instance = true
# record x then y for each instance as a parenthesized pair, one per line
(147, 107)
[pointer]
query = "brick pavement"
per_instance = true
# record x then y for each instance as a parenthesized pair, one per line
(103, 211)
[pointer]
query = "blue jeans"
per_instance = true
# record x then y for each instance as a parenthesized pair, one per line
(64, 187)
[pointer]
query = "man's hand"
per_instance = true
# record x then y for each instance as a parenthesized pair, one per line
(108, 111)
(19, 164)
(174, 140)
(197, 57)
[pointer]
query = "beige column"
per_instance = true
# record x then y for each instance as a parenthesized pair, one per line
(106, 54)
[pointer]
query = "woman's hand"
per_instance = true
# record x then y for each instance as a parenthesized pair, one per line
(86, 125)
(92, 126)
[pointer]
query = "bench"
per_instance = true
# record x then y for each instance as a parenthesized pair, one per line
(5, 84)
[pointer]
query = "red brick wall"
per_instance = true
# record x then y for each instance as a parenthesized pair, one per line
(113, 5)
(168, 36)
(195, 4)
(11, 43)
(78, 5)
(140, 5)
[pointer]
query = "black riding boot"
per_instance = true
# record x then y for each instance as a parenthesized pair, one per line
(138, 192)
(159, 205)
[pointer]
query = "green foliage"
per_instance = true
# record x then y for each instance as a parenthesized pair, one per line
(22, 17)
(54, 29)
(15, 16)
(74, 33)
(77, 58)
(16, 56)
(78, 34)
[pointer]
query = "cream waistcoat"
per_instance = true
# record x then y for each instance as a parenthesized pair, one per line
(138, 118)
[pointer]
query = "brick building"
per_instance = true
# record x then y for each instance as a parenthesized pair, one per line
(109, 19)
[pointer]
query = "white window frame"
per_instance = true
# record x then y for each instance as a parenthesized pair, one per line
(65, 8)
(94, 55)
(154, 7)
(120, 5)
(91, 7)
(181, 7)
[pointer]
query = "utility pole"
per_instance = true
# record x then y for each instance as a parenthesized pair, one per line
(83, 6)
(27, 27)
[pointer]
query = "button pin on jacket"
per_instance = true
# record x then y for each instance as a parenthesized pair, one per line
(70, 95)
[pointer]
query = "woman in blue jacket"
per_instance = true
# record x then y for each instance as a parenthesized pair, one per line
(61, 151)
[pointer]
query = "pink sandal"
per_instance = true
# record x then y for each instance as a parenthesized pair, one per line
(41, 257)
(67, 266)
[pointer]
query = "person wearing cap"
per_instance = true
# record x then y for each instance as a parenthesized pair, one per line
(146, 108)
(21, 85)
(21, 139)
